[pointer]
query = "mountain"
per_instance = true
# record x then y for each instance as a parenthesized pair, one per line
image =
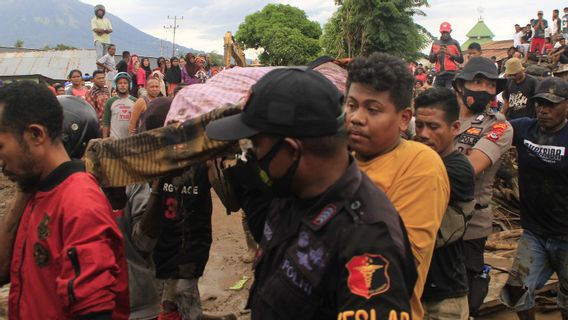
(50, 22)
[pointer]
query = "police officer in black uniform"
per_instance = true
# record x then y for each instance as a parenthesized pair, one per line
(332, 245)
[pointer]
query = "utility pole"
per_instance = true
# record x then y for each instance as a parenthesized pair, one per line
(173, 28)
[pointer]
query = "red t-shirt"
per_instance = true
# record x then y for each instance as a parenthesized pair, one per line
(548, 47)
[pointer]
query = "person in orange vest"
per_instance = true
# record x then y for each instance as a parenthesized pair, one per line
(446, 53)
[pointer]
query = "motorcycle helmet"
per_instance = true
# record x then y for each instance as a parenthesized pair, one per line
(80, 124)
(122, 75)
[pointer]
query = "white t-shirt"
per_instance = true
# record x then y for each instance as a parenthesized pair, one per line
(108, 61)
(517, 38)
(117, 116)
(524, 48)
(554, 27)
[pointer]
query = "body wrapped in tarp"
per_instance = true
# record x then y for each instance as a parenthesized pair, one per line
(179, 145)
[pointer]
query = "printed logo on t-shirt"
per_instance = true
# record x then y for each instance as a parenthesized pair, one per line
(169, 187)
(550, 154)
(124, 113)
(518, 101)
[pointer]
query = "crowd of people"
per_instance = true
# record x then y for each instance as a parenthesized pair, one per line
(373, 203)
(538, 41)
(145, 83)
(541, 39)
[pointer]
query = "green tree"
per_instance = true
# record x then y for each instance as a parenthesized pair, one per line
(215, 58)
(285, 34)
(361, 27)
(19, 43)
(61, 46)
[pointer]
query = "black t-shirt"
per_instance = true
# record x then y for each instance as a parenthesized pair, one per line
(122, 66)
(543, 178)
(518, 95)
(564, 54)
(183, 247)
(447, 276)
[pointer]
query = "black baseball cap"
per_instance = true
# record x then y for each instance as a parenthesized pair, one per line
(289, 102)
(552, 89)
(484, 67)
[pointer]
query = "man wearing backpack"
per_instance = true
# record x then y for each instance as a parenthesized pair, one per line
(446, 288)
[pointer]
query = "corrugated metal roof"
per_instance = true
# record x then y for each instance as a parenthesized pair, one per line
(51, 64)
(496, 48)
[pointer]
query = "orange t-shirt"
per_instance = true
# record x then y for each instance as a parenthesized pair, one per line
(415, 180)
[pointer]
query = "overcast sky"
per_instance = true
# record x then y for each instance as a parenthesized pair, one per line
(205, 23)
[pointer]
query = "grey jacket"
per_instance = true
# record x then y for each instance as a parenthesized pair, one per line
(144, 298)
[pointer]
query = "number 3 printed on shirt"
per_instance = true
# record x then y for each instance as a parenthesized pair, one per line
(171, 208)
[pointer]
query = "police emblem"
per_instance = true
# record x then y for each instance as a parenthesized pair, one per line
(368, 275)
(43, 228)
(41, 255)
(497, 131)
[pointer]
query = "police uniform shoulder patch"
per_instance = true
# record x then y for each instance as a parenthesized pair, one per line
(473, 131)
(368, 275)
(497, 131)
(470, 136)
(324, 215)
(309, 255)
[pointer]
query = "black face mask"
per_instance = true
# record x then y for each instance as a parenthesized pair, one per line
(476, 101)
(281, 187)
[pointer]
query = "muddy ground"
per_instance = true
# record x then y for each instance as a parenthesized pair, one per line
(230, 261)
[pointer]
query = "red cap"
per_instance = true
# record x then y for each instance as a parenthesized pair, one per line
(445, 27)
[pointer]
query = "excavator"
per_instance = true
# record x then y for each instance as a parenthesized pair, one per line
(233, 50)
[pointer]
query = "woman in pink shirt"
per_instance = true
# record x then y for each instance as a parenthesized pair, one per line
(143, 73)
(77, 87)
(131, 63)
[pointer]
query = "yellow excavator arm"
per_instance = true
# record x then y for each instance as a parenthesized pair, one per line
(232, 49)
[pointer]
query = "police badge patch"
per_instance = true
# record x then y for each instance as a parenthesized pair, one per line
(497, 131)
(309, 255)
(368, 275)
(470, 136)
